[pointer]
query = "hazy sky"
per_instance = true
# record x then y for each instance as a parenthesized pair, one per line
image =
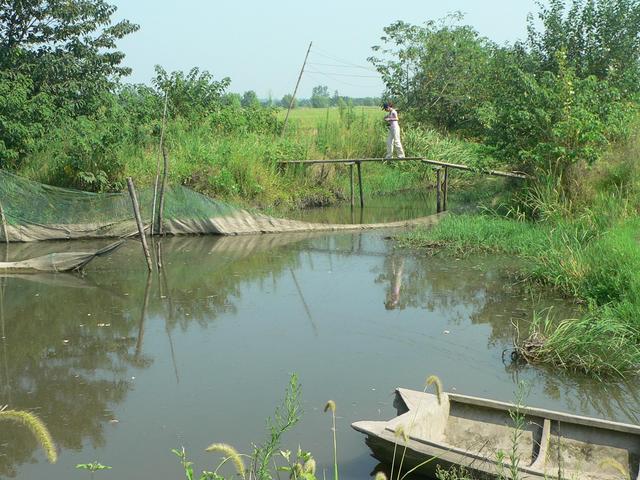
(260, 45)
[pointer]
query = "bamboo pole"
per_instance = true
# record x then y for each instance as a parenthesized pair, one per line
(295, 90)
(438, 188)
(136, 212)
(4, 225)
(445, 187)
(358, 164)
(155, 185)
(163, 187)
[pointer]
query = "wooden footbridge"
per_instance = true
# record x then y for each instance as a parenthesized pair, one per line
(441, 170)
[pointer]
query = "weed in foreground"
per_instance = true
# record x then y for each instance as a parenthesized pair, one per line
(92, 467)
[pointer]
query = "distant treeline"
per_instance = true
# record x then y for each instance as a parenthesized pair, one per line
(320, 98)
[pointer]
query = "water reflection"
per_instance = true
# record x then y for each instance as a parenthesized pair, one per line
(393, 293)
(180, 354)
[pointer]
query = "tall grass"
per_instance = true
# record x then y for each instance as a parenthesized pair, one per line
(241, 165)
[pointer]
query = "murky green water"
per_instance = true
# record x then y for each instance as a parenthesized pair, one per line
(122, 370)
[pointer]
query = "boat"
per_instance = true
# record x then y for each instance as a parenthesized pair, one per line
(493, 439)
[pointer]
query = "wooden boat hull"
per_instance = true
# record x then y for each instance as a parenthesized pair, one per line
(478, 434)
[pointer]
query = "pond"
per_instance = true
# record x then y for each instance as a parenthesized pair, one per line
(123, 367)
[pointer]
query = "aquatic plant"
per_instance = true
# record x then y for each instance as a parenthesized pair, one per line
(92, 467)
(37, 428)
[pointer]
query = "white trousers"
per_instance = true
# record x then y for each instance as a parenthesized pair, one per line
(393, 140)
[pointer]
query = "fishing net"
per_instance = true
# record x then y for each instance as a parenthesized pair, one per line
(34, 211)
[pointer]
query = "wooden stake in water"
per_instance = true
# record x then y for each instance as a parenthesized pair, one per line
(136, 213)
(295, 90)
(4, 225)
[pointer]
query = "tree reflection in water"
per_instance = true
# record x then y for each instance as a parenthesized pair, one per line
(72, 345)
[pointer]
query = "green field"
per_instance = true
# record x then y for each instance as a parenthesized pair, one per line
(308, 118)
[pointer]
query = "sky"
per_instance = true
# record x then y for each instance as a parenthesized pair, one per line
(261, 44)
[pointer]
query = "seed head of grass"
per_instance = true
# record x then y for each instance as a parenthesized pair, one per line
(310, 466)
(37, 428)
(331, 405)
(380, 476)
(401, 432)
(435, 380)
(231, 453)
(610, 462)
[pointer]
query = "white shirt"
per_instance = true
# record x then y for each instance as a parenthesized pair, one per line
(392, 116)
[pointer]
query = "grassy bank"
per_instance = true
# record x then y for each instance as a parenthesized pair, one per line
(240, 164)
(598, 266)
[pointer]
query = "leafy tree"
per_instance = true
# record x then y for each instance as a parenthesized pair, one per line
(320, 97)
(250, 99)
(437, 70)
(552, 120)
(545, 104)
(286, 101)
(233, 100)
(598, 37)
(66, 47)
(24, 115)
(58, 58)
(195, 93)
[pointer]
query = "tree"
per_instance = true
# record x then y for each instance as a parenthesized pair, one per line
(191, 94)
(598, 37)
(286, 101)
(58, 59)
(250, 99)
(66, 47)
(320, 97)
(437, 70)
(233, 100)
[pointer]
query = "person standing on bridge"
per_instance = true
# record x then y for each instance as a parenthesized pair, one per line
(393, 140)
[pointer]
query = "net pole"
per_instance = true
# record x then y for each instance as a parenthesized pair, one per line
(136, 213)
(163, 187)
(155, 185)
(295, 90)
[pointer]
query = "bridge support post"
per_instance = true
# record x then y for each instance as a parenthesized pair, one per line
(438, 191)
(351, 184)
(445, 185)
(358, 164)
